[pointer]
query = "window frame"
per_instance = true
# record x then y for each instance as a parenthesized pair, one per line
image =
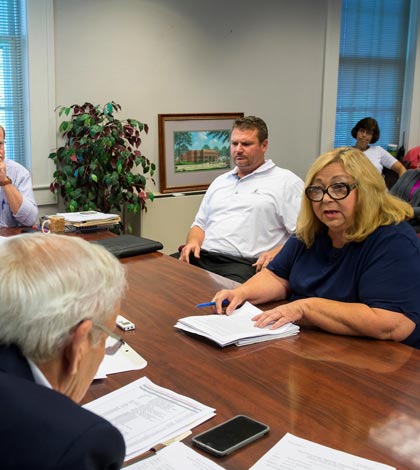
(41, 139)
(13, 44)
(410, 118)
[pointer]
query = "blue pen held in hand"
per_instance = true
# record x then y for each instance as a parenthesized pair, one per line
(210, 304)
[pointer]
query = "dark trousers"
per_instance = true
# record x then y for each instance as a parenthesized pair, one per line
(232, 267)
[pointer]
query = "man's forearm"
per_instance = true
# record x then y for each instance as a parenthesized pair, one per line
(14, 197)
(195, 236)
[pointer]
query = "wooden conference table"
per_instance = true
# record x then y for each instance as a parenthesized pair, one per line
(357, 395)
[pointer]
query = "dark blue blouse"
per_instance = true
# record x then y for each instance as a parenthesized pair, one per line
(383, 271)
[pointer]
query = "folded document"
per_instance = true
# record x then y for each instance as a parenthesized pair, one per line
(125, 359)
(237, 328)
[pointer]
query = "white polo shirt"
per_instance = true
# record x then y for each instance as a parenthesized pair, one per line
(380, 157)
(248, 216)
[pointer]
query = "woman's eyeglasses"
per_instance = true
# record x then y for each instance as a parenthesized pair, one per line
(336, 191)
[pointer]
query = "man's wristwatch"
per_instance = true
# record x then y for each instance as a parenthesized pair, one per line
(6, 181)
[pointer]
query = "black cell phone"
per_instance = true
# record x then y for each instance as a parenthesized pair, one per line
(231, 435)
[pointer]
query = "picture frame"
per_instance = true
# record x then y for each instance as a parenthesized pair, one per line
(193, 149)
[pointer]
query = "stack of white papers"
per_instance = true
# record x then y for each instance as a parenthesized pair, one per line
(87, 218)
(237, 328)
(147, 414)
(176, 456)
(300, 454)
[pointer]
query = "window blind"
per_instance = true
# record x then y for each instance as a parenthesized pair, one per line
(372, 67)
(12, 77)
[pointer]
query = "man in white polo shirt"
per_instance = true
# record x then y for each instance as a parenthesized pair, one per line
(248, 213)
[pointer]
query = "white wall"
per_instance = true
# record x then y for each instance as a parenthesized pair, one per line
(185, 56)
(41, 96)
(175, 56)
(168, 220)
(274, 58)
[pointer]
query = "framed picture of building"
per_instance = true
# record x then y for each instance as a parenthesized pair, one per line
(193, 149)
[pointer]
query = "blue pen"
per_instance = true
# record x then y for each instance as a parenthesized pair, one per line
(210, 304)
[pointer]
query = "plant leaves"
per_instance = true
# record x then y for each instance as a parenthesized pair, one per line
(94, 167)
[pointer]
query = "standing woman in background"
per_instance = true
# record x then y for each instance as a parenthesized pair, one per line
(366, 132)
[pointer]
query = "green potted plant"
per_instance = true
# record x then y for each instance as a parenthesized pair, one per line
(94, 167)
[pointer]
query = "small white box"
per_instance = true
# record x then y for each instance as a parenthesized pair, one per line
(125, 324)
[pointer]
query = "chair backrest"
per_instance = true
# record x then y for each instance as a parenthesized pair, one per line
(405, 189)
(412, 158)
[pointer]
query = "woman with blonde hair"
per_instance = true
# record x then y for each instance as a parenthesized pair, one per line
(353, 267)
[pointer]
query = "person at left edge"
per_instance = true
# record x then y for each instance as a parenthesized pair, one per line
(59, 302)
(18, 206)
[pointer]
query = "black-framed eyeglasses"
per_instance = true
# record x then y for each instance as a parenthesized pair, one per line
(336, 191)
(114, 342)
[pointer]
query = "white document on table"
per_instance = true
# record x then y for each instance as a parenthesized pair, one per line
(237, 328)
(125, 359)
(176, 456)
(147, 414)
(86, 216)
(292, 452)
